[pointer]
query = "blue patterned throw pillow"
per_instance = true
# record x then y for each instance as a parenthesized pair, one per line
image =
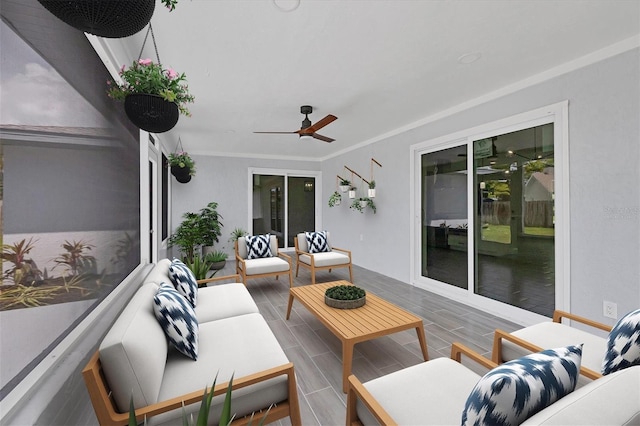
(623, 344)
(317, 242)
(258, 246)
(177, 319)
(184, 281)
(516, 390)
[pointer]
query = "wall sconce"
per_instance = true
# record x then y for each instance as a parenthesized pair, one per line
(308, 186)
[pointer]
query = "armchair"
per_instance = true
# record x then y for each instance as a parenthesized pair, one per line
(258, 264)
(509, 346)
(313, 260)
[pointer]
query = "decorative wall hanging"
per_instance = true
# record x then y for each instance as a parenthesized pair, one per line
(153, 97)
(358, 203)
(182, 165)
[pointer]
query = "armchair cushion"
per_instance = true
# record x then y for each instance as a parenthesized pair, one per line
(331, 258)
(623, 344)
(516, 390)
(177, 319)
(184, 281)
(266, 265)
(318, 242)
(258, 246)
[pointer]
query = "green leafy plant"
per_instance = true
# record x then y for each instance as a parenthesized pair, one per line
(237, 233)
(182, 159)
(24, 270)
(345, 182)
(187, 235)
(335, 199)
(75, 260)
(345, 292)
(170, 4)
(145, 76)
(216, 256)
(359, 204)
(372, 184)
(210, 225)
(199, 266)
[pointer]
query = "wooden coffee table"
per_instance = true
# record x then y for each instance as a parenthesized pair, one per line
(375, 319)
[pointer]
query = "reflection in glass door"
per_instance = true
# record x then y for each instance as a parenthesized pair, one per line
(444, 216)
(514, 225)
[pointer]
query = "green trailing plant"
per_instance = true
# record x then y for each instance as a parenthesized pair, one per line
(210, 225)
(345, 292)
(335, 199)
(182, 159)
(24, 270)
(237, 233)
(199, 266)
(76, 260)
(360, 204)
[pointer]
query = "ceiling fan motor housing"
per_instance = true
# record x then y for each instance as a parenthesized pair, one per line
(306, 123)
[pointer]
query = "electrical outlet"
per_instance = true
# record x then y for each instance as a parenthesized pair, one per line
(610, 309)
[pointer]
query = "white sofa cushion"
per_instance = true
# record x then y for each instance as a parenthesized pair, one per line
(134, 352)
(224, 301)
(429, 393)
(553, 335)
(240, 346)
(611, 400)
(332, 258)
(266, 265)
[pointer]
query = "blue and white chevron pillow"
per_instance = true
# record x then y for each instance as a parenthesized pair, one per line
(516, 390)
(623, 344)
(177, 319)
(318, 242)
(258, 246)
(184, 281)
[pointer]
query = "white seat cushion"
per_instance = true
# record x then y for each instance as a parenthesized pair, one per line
(240, 346)
(224, 301)
(552, 335)
(266, 265)
(430, 393)
(332, 258)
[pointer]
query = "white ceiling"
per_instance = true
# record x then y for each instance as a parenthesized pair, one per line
(378, 65)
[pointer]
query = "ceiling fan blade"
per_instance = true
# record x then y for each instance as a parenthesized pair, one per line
(278, 133)
(320, 124)
(322, 138)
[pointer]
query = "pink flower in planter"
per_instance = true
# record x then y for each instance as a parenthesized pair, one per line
(145, 62)
(171, 74)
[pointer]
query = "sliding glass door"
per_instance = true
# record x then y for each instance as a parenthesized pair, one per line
(283, 204)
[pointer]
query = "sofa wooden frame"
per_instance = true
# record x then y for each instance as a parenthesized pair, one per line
(500, 335)
(107, 413)
(358, 391)
(313, 268)
(241, 267)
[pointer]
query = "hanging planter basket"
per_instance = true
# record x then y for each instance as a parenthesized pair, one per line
(182, 174)
(151, 112)
(104, 18)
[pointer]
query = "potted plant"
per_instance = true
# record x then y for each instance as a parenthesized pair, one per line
(344, 185)
(217, 259)
(210, 227)
(335, 199)
(153, 97)
(372, 189)
(187, 235)
(237, 233)
(352, 192)
(361, 203)
(345, 297)
(182, 166)
(199, 266)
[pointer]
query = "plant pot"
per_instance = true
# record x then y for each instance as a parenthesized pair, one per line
(337, 202)
(104, 18)
(182, 174)
(345, 304)
(372, 193)
(352, 194)
(151, 112)
(363, 204)
(216, 266)
(344, 188)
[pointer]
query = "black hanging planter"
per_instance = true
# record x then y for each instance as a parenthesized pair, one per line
(182, 174)
(151, 112)
(104, 18)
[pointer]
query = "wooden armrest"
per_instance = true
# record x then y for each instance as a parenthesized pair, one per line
(284, 256)
(558, 315)
(342, 250)
(358, 391)
(458, 349)
(500, 335)
(235, 277)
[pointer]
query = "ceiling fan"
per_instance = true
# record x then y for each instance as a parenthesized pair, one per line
(308, 130)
